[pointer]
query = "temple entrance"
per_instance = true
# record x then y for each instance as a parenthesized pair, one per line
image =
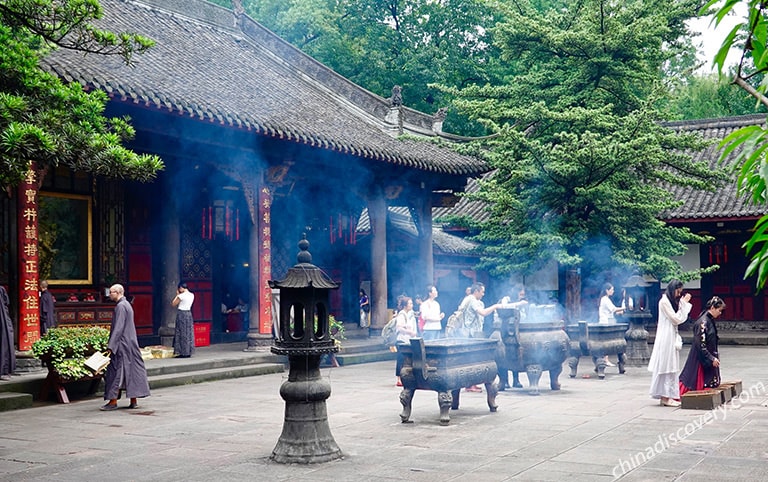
(228, 232)
(230, 291)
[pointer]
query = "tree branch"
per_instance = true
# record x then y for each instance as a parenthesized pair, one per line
(751, 90)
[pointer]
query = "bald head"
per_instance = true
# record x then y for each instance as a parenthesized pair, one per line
(116, 292)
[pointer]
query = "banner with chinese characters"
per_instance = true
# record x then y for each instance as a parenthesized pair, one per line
(29, 306)
(265, 261)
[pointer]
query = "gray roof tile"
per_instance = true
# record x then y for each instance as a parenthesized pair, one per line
(250, 79)
(723, 203)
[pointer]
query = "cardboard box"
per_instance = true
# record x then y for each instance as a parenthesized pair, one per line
(146, 353)
(202, 333)
(701, 399)
(160, 351)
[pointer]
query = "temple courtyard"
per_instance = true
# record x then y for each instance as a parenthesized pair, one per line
(590, 430)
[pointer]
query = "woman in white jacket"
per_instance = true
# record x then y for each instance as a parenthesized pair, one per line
(665, 360)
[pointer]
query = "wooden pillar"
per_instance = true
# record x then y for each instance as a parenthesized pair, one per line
(28, 295)
(260, 260)
(572, 295)
(377, 213)
(170, 268)
(426, 255)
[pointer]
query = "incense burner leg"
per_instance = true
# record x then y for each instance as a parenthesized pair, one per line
(573, 363)
(491, 391)
(445, 401)
(406, 399)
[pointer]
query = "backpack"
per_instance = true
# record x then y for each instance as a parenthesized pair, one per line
(455, 327)
(389, 332)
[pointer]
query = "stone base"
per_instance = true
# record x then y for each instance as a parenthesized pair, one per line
(638, 353)
(259, 342)
(28, 365)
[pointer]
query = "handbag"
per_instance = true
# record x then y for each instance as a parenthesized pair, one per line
(678, 342)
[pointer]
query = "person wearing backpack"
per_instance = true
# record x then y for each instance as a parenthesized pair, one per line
(406, 328)
(474, 317)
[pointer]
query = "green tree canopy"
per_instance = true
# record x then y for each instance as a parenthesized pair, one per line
(711, 96)
(582, 161)
(379, 44)
(42, 119)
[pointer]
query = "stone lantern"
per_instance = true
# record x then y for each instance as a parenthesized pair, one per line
(304, 337)
(637, 314)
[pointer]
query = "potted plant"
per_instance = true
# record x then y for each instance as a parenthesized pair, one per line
(337, 329)
(64, 350)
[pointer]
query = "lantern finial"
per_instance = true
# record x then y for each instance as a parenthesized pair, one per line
(304, 255)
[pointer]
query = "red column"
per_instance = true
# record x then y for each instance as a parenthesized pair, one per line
(265, 260)
(29, 306)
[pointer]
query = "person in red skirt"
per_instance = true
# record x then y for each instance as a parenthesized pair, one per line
(702, 368)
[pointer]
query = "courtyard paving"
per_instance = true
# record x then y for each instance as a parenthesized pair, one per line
(591, 430)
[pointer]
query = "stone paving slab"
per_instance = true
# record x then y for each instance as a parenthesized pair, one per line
(225, 430)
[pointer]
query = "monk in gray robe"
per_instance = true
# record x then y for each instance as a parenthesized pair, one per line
(47, 314)
(126, 370)
(7, 346)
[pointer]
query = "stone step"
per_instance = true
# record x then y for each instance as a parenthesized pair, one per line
(346, 359)
(210, 364)
(14, 401)
(357, 346)
(213, 374)
(166, 373)
(179, 365)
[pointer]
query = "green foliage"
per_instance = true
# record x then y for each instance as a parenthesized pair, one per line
(749, 144)
(711, 96)
(66, 349)
(581, 158)
(335, 327)
(46, 121)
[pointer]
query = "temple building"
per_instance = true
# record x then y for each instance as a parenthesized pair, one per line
(261, 144)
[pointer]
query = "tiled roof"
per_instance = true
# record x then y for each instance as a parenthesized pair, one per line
(475, 210)
(723, 203)
(207, 66)
(401, 219)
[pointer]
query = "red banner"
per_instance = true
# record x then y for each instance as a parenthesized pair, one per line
(29, 297)
(265, 261)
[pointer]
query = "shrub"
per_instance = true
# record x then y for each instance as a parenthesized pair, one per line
(66, 349)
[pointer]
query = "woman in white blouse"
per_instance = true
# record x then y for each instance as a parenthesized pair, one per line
(184, 334)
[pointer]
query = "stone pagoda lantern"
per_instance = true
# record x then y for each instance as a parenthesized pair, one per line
(304, 337)
(637, 314)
